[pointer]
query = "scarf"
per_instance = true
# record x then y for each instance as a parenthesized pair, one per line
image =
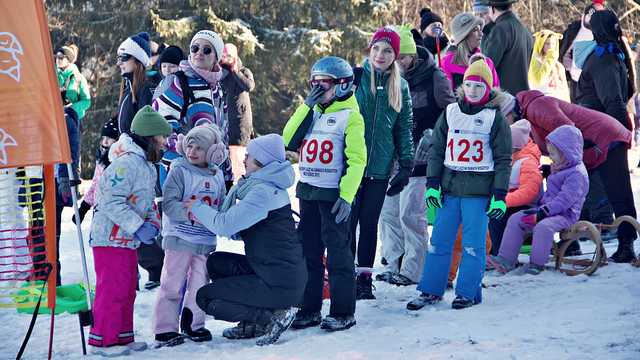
(211, 77)
(239, 191)
(611, 48)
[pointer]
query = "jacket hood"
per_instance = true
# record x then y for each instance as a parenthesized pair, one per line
(123, 146)
(184, 163)
(525, 98)
(531, 150)
(278, 174)
(422, 69)
(568, 140)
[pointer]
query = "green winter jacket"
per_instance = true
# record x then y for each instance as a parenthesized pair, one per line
(355, 150)
(387, 133)
(77, 89)
(469, 183)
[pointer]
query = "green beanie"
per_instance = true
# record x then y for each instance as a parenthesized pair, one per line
(407, 44)
(149, 123)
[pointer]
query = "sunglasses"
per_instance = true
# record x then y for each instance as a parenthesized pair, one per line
(59, 56)
(123, 57)
(205, 49)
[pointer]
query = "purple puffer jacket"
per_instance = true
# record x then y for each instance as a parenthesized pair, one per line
(567, 187)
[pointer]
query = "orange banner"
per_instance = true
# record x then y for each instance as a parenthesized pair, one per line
(32, 126)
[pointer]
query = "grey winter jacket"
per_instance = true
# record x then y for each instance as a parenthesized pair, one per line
(125, 197)
(175, 214)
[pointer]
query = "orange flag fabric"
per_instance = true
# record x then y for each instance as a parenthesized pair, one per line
(32, 126)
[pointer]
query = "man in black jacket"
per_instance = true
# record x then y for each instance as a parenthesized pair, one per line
(236, 87)
(509, 45)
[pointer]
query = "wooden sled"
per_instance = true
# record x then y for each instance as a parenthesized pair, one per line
(587, 263)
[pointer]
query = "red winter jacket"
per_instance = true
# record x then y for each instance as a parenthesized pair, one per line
(599, 130)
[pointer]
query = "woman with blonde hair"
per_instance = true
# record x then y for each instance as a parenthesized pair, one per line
(465, 49)
(546, 73)
(385, 104)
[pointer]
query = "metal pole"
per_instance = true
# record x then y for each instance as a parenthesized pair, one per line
(84, 319)
(85, 272)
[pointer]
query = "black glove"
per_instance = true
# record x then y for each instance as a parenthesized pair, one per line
(542, 213)
(546, 170)
(314, 96)
(84, 208)
(399, 181)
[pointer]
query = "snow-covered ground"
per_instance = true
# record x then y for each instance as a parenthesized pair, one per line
(550, 316)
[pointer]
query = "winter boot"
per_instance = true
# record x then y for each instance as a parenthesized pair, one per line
(280, 322)
(532, 269)
(337, 323)
(137, 346)
(198, 335)
(423, 300)
(461, 302)
(500, 264)
(306, 320)
(111, 351)
(625, 252)
(364, 287)
(244, 330)
(168, 339)
(385, 276)
(401, 280)
(150, 285)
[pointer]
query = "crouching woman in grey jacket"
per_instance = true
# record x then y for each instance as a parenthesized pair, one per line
(257, 289)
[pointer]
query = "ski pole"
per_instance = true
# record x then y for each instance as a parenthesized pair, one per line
(83, 316)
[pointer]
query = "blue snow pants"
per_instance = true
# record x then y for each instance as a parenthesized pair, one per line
(470, 211)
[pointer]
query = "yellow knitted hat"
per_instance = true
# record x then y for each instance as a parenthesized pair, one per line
(479, 71)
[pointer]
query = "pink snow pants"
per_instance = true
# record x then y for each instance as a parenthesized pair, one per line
(179, 266)
(116, 278)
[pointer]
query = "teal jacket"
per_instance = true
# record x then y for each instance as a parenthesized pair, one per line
(469, 183)
(75, 89)
(387, 132)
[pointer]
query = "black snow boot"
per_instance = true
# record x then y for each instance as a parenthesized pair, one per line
(625, 252)
(169, 339)
(306, 320)
(422, 301)
(280, 322)
(244, 330)
(337, 323)
(198, 335)
(364, 285)
(461, 302)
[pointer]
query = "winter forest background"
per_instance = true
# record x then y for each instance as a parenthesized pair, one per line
(278, 40)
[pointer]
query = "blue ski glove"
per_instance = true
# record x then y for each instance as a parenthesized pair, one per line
(146, 233)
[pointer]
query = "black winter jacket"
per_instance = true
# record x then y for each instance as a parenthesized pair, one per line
(236, 87)
(603, 86)
(127, 109)
(430, 94)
